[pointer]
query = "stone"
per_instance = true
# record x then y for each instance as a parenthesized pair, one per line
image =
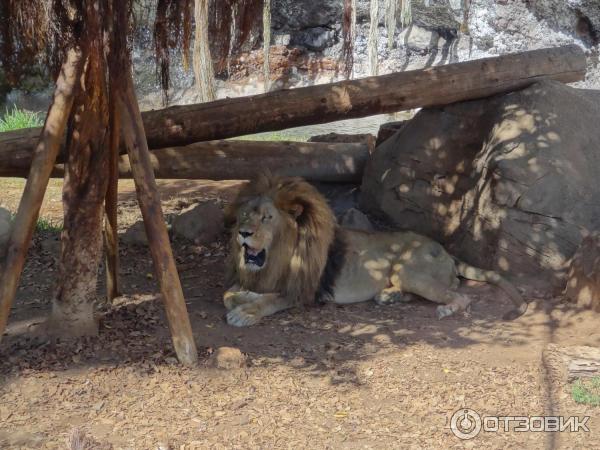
(201, 223)
(227, 358)
(583, 280)
(387, 130)
(304, 14)
(135, 234)
(508, 183)
(315, 39)
(356, 220)
(421, 40)
(51, 245)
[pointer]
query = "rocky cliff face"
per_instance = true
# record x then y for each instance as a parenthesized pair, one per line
(306, 37)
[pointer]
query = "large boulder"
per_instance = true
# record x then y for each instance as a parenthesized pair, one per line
(202, 222)
(510, 182)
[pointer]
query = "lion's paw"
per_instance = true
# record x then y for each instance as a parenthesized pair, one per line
(234, 299)
(391, 297)
(244, 315)
(444, 311)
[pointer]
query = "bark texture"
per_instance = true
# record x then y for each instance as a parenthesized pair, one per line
(84, 191)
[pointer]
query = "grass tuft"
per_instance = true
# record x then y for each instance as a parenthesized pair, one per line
(587, 391)
(43, 225)
(19, 118)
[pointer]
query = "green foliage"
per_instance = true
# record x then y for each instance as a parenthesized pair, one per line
(19, 118)
(46, 225)
(587, 391)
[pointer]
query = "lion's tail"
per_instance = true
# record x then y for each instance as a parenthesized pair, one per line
(474, 273)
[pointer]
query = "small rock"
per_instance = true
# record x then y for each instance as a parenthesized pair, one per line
(201, 223)
(356, 220)
(51, 245)
(135, 234)
(227, 358)
(421, 40)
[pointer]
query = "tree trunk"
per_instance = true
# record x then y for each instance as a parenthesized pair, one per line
(84, 191)
(440, 85)
(44, 158)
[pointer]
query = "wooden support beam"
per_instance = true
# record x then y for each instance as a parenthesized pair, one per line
(238, 160)
(43, 161)
(439, 85)
(149, 199)
(111, 237)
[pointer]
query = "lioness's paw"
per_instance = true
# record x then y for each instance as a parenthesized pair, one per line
(244, 315)
(392, 296)
(234, 299)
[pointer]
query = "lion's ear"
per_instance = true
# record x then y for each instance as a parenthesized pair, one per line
(296, 210)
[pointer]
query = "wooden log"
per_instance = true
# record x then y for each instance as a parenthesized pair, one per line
(149, 199)
(239, 160)
(111, 237)
(43, 161)
(440, 85)
(572, 363)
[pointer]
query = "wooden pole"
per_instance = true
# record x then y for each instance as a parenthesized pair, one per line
(111, 237)
(149, 199)
(238, 160)
(439, 85)
(43, 161)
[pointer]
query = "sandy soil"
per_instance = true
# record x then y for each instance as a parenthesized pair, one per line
(360, 376)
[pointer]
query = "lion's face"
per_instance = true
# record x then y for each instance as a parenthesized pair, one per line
(281, 237)
(258, 224)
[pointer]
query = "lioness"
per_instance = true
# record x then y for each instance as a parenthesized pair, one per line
(287, 249)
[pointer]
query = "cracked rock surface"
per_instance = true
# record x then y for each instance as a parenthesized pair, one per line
(509, 182)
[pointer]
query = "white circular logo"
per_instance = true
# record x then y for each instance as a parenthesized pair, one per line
(465, 424)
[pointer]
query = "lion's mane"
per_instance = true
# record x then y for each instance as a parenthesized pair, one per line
(303, 263)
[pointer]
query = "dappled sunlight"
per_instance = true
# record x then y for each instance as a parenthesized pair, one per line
(501, 182)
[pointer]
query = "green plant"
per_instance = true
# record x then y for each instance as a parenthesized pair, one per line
(19, 118)
(587, 391)
(47, 225)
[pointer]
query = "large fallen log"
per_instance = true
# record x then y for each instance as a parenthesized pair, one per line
(230, 160)
(440, 85)
(571, 363)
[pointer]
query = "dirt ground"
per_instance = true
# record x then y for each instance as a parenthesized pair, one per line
(361, 376)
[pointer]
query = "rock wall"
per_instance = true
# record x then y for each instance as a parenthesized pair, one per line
(306, 37)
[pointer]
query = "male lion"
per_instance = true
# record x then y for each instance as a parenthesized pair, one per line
(287, 249)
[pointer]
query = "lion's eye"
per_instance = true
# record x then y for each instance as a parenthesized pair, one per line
(266, 218)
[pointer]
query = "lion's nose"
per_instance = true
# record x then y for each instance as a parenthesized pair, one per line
(246, 234)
